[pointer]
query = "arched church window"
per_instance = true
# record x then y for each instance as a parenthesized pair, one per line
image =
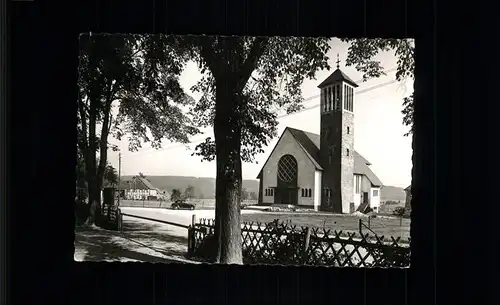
(327, 101)
(327, 98)
(330, 102)
(348, 151)
(337, 97)
(310, 193)
(287, 168)
(346, 101)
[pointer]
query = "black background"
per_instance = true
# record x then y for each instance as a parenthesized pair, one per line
(453, 229)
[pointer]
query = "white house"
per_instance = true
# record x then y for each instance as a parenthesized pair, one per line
(139, 188)
(322, 171)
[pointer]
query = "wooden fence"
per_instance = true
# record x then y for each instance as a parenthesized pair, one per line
(285, 244)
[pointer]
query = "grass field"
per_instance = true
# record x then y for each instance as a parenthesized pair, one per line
(201, 204)
(381, 226)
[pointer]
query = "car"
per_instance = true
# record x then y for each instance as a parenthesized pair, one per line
(182, 204)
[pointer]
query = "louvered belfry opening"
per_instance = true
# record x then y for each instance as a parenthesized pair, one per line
(287, 190)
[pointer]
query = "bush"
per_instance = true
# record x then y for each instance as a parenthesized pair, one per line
(207, 249)
(399, 211)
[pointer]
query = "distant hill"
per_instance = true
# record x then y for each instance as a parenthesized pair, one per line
(202, 185)
(206, 186)
(392, 193)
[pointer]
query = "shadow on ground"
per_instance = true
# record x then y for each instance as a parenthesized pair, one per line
(160, 244)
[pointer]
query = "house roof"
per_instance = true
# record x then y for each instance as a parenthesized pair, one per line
(335, 77)
(139, 183)
(146, 183)
(310, 143)
(164, 192)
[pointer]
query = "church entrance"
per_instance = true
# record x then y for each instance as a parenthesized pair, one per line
(287, 190)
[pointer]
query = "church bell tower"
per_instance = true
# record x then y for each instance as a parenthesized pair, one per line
(337, 142)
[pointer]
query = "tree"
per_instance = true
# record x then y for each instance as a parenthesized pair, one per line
(253, 196)
(176, 195)
(245, 81)
(122, 70)
(244, 194)
(81, 184)
(362, 52)
(111, 175)
(189, 192)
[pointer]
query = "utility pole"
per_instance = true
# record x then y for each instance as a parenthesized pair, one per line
(119, 176)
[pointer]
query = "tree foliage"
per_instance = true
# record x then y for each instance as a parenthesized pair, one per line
(244, 194)
(272, 71)
(176, 195)
(361, 55)
(122, 71)
(111, 174)
(254, 196)
(189, 192)
(245, 81)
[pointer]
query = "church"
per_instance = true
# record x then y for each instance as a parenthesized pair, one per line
(322, 171)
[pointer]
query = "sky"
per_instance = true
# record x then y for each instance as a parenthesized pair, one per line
(379, 131)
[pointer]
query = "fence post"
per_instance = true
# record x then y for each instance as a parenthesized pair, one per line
(369, 222)
(193, 220)
(190, 243)
(306, 244)
(361, 227)
(401, 226)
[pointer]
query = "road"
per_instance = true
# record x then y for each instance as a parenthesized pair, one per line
(140, 240)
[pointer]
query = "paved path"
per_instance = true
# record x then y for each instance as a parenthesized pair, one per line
(141, 241)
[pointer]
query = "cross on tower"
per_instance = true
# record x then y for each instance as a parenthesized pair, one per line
(338, 61)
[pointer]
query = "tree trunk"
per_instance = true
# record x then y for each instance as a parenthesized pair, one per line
(91, 164)
(103, 141)
(228, 180)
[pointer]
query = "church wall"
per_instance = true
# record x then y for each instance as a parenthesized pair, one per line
(375, 200)
(357, 197)
(330, 159)
(347, 167)
(306, 169)
(337, 149)
(261, 192)
(317, 190)
(366, 185)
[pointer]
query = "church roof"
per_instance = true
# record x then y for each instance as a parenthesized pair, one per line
(337, 76)
(310, 142)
